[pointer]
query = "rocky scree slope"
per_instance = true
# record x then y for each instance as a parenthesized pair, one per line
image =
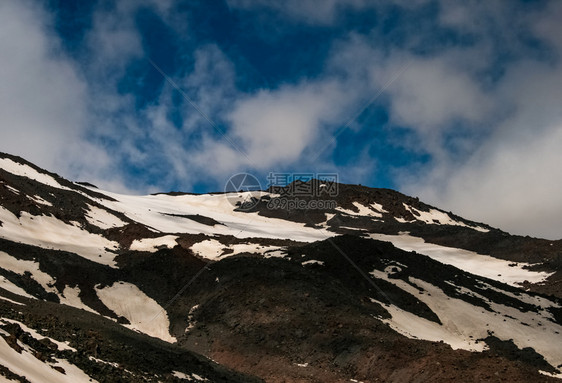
(97, 285)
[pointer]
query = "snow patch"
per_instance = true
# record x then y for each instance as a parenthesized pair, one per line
(209, 249)
(62, 346)
(378, 207)
(275, 254)
(102, 218)
(152, 245)
(28, 366)
(144, 313)
(164, 213)
(27, 171)
(190, 320)
(483, 265)
(70, 297)
(38, 200)
(463, 322)
(20, 266)
(364, 211)
(191, 377)
(50, 233)
(254, 248)
(12, 301)
(435, 216)
(11, 287)
(12, 189)
(213, 250)
(313, 262)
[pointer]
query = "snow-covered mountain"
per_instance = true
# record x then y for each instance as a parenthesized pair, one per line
(376, 286)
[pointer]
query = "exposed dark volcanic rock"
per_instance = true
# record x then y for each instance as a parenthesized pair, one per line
(197, 218)
(283, 294)
(510, 351)
(125, 235)
(106, 351)
(283, 323)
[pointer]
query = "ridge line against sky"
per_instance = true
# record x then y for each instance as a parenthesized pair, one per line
(474, 125)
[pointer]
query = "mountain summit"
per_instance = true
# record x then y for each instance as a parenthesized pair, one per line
(310, 282)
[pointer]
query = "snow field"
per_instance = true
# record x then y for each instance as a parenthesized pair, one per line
(483, 265)
(50, 233)
(463, 322)
(163, 213)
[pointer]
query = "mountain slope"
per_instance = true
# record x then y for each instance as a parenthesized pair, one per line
(376, 285)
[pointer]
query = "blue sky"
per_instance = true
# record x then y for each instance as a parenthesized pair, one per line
(457, 102)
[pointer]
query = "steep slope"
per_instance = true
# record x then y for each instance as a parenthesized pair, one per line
(325, 322)
(408, 293)
(46, 342)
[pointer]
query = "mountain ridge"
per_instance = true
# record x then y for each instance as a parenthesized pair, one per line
(275, 294)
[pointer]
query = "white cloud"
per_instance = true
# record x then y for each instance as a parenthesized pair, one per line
(515, 185)
(432, 93)
(507, 173)
(513, 178)
(277, 125)
(51, 106)
(42, 97)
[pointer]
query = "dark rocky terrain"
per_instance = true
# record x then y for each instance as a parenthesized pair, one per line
(182, 287)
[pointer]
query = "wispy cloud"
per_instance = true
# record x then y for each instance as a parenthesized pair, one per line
(479, 99)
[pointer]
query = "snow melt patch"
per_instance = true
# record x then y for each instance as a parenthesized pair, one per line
(523, 296)
(144, 313)
(313, 262)
(28, 366)
(415, 327)
(364, 211)
(102, 218)
(209, 249)
(164, 213)
(27, 171)
(70, 297)
(464, 322)
(20, 266)
(438, 217)
(483, 265)
(62, 346)
(38, 200)
(152, 245)
(213, 250)
(12, 189)
(11, 287)
(49, 232)
(190, 377)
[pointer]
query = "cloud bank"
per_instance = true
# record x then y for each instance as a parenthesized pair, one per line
(457, 103)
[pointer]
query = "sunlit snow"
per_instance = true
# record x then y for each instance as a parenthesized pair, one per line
(164, 213)
(144, 313)
(464, 322)
(27, 171)
(51, 233)
(483, 265)
(153, 244)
